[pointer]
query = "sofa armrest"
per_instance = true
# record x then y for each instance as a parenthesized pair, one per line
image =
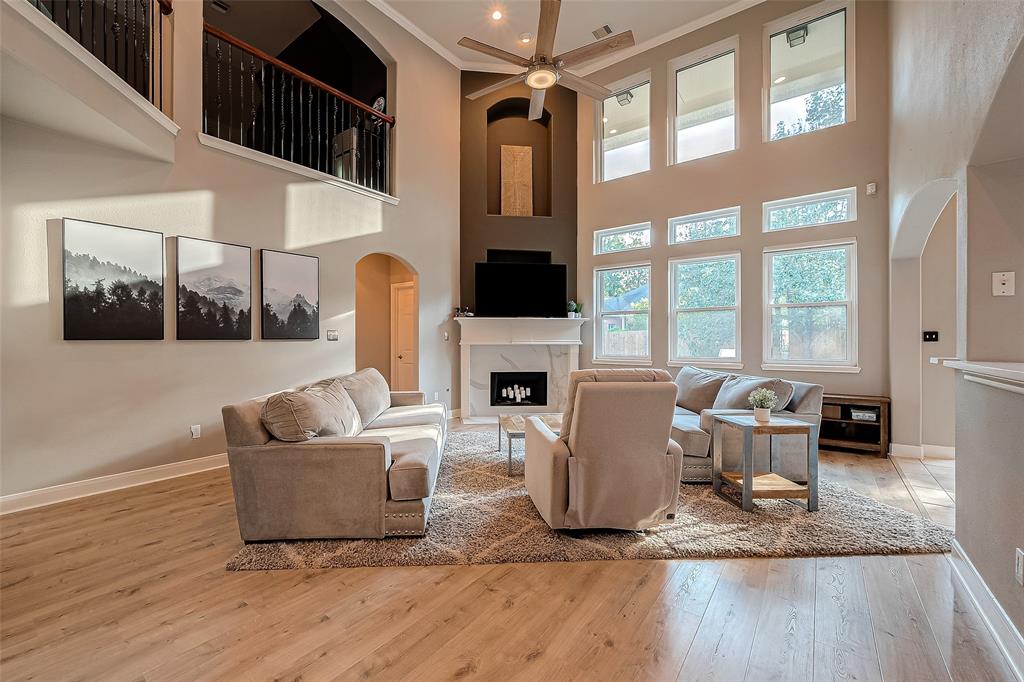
(547, 472)
(406, 398)
(332, 487)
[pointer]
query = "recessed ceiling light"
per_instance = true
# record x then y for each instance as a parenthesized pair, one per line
(496, 15)
(612, 131)
(779, 80)
(604, 119)
(525, 38)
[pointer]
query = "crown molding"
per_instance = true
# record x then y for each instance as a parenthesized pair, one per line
(488, 67)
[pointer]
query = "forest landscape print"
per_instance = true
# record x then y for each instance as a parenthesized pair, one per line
(214, 290)
(113, 282)
(290, 295)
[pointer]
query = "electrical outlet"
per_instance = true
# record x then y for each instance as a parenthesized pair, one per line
(1003, 283)
(435, 396)
(1019, 566)
(929, 337)
(196, 431)
(332, 334)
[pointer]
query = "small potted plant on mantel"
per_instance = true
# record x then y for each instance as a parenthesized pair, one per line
(763, 400)
(575, 310)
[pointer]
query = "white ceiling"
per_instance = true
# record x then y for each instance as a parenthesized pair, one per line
(441, 23)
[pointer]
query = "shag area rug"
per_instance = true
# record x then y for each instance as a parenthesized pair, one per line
(480, 515)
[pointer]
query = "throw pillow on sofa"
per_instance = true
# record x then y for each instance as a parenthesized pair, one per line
(369, 391)
(696, 389)
(736, 390)
(322, 409)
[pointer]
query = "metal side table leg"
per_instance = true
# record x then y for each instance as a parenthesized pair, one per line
(812, 468)
(716, 456)
(748, 470)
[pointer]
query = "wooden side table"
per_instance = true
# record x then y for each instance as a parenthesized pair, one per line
(764, 484)
(514, 426)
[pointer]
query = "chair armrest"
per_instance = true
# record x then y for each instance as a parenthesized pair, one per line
(547, 472)
(322, 488)
(406, 398)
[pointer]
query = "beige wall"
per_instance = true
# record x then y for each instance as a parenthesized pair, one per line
(938, 313)
(843, 156)
(72, 411)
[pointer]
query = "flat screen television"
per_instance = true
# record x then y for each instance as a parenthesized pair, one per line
(521, 289)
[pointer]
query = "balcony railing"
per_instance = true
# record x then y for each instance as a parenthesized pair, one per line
(252, 99)
(126, 35)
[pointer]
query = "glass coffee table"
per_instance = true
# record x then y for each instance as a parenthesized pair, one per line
(514, 426)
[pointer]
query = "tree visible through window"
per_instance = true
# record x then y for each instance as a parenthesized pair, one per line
(624, 303)
(705, 308)
(710, 225)
(815, 209)
(622, 238)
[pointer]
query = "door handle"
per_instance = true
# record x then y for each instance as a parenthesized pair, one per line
(401, 357)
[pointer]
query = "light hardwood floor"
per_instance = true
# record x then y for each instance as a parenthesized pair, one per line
(131, 585)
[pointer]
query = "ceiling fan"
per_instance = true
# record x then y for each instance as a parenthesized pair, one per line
(546, 69)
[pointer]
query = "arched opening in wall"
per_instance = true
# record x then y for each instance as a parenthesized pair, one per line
(518, 160)
(387, 319)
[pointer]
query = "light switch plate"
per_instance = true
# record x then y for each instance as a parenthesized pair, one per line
(332, 335)
(196, 430)
(872, 189)
(1019, 566)
(1003, 283)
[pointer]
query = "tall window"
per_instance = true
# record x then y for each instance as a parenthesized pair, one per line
(622, 238)
(839, 206)
(810, 305)
(705, 309)
(704, 106)
(623, 299)
(626, 132)
(709, 225)
(807, 75)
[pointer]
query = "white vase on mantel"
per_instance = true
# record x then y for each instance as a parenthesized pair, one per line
(762, 414)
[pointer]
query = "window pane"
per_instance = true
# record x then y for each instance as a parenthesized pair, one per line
(813, 212)
(610, 241)
(626, 289)
(626, 134)
(811, 276)
(808, 77)
(705, 108)
(706, 334)
(626, 335)
(705, 284)
(705, 226)
(817, 333)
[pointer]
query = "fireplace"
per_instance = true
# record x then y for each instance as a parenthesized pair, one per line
(520, 389)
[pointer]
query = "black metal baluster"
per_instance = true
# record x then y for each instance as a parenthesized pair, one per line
(252, 103)
(115, 28)
(319, 130)
(104, 31)
(219, 53)
(280, 121)
(206, 82)
(160, 18)
(135, 47)
(263, 104)
(333, 152)
(231, 99)
(291, 119)
(309, 126)
(241, 98)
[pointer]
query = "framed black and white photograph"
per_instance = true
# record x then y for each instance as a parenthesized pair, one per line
(290, 295)
(113, 282)
(214, 290)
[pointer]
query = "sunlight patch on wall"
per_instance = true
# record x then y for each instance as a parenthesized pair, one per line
(316, 213)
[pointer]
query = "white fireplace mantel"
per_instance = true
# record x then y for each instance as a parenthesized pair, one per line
(516, 331)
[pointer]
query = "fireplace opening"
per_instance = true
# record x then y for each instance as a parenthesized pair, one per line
(519, 389)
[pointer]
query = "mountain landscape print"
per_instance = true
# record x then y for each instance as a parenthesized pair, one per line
(290, 296)
(113, 282)
(214, 290)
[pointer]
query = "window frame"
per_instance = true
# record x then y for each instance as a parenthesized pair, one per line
(689, 60)
(768, 206)
(851, 364)
(598, 356)
(798, 18)
(619, 86)
(674, 310)
(705, 215)
(612, 231)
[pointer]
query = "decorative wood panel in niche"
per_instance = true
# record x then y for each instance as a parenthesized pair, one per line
(516, 180)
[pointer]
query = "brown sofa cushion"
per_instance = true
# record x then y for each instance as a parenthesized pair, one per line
(736, 390)
(369, 391)
(322, 409)
(696, 389)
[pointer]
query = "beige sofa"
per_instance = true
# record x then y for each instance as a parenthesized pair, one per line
(703, 393)
(614, 465)
(375, 483)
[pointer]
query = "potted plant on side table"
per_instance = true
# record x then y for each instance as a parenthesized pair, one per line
(763, 400)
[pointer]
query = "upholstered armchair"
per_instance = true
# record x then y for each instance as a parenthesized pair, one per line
(614, 464)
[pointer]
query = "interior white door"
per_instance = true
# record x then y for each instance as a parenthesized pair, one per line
(404, 360)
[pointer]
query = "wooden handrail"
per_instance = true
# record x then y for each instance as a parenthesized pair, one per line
(256, 52)
(165, 7)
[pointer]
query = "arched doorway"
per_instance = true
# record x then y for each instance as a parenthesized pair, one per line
(387, 319)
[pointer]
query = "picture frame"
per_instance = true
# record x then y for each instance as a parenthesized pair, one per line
(287, 283)
(213, 290)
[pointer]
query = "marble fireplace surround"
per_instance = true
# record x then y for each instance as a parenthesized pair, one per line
(515, 344)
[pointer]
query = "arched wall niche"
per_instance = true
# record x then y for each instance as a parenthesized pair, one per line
(507, 124)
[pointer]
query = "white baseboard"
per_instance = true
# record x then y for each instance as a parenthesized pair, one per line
(900, 450)
(938, 451)
(105, 484)
(1007, 637)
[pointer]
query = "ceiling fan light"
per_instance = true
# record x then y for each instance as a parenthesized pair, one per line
(496, 15)
(525, 38)
(541, 77)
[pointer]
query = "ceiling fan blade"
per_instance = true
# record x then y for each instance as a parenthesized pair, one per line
(594, 50)
(492, 51)
(536, 104)
(503, 83)
(584, 87)
(546, 28)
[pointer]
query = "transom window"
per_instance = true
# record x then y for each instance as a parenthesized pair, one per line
(704, 103)
(626, 132)
(709, 225)
(705, 309)
(623, 300)
(622, 238)
(810, 305)
(838, 206)
(807, 74)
